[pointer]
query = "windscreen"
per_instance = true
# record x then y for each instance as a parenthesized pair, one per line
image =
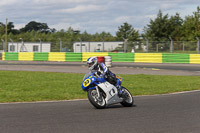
(88, 73)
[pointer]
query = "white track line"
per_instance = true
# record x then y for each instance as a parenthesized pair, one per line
(75, 100)
(175, 93)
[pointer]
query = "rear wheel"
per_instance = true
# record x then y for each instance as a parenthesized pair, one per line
(128, 100)
(97, 102)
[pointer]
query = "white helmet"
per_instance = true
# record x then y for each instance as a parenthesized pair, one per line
(92, 62)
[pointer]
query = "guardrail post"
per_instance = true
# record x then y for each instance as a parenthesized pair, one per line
(171, 46)
(80, 44)
(60, 45)
(9, 49)
(147, 44)
(3, 45)
(40, 44)
(125, 45)
(197, 45)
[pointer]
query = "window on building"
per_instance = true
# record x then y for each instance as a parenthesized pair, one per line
(99, 45)
(35, 48)
(120, 45)
(83, 45)
(77, 45)
(12, 48)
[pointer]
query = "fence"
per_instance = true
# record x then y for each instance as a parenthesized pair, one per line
(116, 57)
(191, 47)
(144, 46)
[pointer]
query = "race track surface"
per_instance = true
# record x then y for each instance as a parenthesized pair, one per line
(118, 68)
(177, 113)
(173, 113)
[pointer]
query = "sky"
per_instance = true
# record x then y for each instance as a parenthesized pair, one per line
(92, 15)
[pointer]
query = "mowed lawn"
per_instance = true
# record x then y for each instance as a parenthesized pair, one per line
(20, 86)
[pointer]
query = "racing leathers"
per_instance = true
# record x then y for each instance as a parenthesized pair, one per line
(104, 72)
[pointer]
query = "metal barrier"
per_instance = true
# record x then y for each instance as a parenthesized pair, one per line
(109, 57)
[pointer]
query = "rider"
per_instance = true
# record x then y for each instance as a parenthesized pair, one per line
(104, 72)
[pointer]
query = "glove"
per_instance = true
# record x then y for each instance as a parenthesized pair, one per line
(101, 76)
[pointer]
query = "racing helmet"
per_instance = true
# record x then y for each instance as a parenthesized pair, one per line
(92, 62)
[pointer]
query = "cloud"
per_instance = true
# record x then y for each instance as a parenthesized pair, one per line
(7, 2)
(60, 1)
(82, 9)
(122, 19)
(19, 26)
(65, 26)
(92, 15)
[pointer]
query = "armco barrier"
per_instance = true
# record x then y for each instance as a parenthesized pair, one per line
(25, 56)
(56, 56)
(10, 56)
(116, 57)
(148, 58)
(194, 58)
(41, 56)
(73, 57)
(175, 58)
(122, 57)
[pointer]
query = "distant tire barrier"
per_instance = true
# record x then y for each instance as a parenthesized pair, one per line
(101, 59)
(86, 55)
(108, 61)
(108, 57)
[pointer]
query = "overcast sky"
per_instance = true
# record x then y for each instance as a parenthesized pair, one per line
(91, 15)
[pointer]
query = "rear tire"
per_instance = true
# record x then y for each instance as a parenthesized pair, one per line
(98, 103)
(128, 102)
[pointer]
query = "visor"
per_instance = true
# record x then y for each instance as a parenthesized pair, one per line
(90, 64)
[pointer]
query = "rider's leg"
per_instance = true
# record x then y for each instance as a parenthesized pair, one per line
(120, 89)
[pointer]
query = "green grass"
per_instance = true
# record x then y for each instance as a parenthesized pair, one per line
(19, 86)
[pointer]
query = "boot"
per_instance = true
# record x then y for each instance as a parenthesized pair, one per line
(120, 91)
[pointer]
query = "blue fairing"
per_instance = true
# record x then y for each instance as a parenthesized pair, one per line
(90, 81)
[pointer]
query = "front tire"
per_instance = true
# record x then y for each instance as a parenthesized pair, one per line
(127, 102)
(98, 103)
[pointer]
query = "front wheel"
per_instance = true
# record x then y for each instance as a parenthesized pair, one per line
(128, 101)
(97, 102)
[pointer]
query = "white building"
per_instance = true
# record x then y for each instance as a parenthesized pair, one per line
(29, 47)
(96, 46)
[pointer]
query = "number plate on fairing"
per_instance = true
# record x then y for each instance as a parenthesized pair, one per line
(109, 89)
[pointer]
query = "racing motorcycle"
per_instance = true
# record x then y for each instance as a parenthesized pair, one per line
(101, 94)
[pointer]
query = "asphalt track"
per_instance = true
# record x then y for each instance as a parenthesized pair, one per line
(118, 68)
(168, 66)
(175, 113)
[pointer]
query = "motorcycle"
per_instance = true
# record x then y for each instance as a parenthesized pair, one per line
(102, 93)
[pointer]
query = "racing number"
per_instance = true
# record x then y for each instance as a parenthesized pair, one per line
(112, 92)
(86, 82)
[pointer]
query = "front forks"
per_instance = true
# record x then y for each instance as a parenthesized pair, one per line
(98, 94)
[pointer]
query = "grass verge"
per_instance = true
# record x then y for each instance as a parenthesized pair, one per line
(19, 86)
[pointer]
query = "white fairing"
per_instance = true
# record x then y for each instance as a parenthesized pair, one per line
(111, 93)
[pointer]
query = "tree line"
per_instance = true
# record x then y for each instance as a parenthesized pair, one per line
(159, 29)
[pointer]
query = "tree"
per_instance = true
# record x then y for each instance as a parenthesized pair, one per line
(158, 29)
(175, 27)
(36, 26)
(11, 29)
(126, 31)
(2, 28)
(191, 26)
(106, 36)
